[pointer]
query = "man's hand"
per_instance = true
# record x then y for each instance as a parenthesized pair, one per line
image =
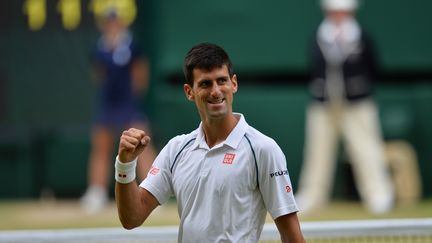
(132, 144)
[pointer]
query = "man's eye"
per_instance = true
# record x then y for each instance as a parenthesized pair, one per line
(204, 84)
(222, 81)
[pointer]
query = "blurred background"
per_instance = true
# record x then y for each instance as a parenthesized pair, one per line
(46, 92)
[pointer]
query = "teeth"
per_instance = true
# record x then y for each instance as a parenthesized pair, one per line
(216, 101)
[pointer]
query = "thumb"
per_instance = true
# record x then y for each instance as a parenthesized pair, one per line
(143, 143)
(145, 140)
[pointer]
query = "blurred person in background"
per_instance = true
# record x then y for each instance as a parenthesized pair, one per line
(122, 76)
(343, 67)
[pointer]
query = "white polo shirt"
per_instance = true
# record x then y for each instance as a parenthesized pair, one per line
(224, 192)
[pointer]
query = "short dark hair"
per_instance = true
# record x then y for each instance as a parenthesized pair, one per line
(205, 56)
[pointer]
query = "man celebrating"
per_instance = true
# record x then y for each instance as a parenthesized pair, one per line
(225, 175)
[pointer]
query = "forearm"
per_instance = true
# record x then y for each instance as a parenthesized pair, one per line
(140, 76)
(134, 204)
(128, 196)
(129, 205)
(289, 228)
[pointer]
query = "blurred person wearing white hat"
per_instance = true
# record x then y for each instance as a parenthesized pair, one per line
(343, 67)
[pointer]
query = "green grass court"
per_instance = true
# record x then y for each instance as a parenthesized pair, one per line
(62, 214)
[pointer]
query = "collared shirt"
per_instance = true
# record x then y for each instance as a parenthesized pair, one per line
(223, 192)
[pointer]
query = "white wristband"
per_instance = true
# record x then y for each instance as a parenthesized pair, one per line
(125, 172)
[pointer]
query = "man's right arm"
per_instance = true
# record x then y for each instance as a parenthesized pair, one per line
(134, 204)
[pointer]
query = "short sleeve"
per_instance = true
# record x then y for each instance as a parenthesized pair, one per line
(159, 180)
(274, 180)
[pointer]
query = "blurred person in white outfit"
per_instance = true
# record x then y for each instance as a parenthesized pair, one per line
(343, 69)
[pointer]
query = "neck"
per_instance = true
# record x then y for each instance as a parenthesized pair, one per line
(216, 131)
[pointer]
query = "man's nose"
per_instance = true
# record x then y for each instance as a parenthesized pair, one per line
(215, 89)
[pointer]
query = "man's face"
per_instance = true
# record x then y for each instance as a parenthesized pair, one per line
(212, 92)
(338, 16)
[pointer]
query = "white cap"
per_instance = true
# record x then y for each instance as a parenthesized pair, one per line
(339, 5)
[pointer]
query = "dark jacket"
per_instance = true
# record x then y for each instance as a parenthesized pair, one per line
(359, 71)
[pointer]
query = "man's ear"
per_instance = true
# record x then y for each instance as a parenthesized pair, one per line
(234, 83)
(188, 92)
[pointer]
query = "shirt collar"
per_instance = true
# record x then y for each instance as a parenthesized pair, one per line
(233, 139)
(349, 31)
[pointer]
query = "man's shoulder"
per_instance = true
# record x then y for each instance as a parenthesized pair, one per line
(266, 150)
(182, 139)
(260, 140)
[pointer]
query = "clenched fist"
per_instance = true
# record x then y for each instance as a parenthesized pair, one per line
(132, 144)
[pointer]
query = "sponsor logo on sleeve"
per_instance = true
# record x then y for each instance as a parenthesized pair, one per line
(279, 173)
(154, 170)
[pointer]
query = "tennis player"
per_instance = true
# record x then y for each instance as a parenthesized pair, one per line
(225, 175)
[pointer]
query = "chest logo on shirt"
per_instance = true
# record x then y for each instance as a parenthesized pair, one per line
(228, 159)
(154, 170)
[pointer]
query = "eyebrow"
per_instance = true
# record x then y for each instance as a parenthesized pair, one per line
(224, 77)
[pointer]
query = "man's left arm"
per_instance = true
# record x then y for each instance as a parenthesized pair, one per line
(289, 228)
(276, 190)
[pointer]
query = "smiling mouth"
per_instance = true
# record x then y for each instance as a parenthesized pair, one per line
(215, 102)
